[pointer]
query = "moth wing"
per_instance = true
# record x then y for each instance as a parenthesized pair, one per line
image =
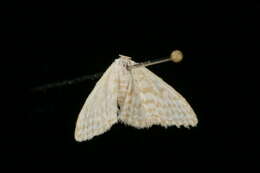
(152, 101)
(99, 111)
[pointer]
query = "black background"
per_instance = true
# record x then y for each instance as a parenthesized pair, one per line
(64, 42)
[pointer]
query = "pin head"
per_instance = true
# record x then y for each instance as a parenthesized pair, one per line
(176, 56)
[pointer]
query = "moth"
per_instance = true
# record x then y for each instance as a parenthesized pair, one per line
(136, 97)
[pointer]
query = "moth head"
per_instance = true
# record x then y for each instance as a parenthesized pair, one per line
(123, 57)
(124, 61)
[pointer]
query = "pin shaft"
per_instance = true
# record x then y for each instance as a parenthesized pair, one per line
(149, 63)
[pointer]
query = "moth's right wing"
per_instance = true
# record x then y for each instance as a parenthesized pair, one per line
(99, 112)
(151, 101)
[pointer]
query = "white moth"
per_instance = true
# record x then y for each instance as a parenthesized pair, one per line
(136, 97)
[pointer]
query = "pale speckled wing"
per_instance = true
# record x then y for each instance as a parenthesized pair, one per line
(149, 101)
(99, 112)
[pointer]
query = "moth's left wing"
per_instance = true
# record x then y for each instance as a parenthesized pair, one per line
(99, 112)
